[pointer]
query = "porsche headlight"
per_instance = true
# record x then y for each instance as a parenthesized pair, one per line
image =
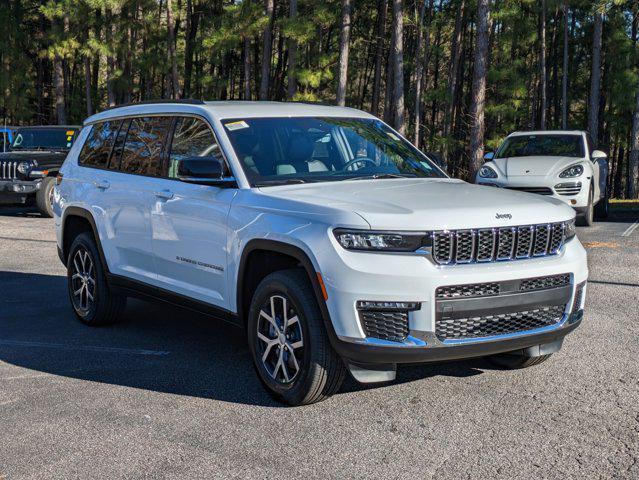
(381, 241)
(572, 171)
(487, 172)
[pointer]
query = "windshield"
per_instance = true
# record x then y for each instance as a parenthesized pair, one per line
(276, 151)
(542, 145)
(44, 139)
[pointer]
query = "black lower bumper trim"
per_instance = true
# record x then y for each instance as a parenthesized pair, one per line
(364, 353)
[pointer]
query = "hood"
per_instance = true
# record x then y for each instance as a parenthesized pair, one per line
(427, 204)
(45, 159)
(534, 165)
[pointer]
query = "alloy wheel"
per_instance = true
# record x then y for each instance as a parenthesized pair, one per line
(83, 281)
(281, 342)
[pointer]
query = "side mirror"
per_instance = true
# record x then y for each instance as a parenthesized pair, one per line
(488, 156)
(200, 170)
(597, 154)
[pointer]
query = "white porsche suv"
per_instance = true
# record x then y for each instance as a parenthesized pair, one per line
(334, 242)
(557, 163)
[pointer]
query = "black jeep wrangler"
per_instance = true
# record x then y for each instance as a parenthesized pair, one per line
(29, 169)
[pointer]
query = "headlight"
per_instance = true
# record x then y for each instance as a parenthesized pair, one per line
(487, 172)
(24, 167)
(381, 241)
(573, 171)
(570, 229)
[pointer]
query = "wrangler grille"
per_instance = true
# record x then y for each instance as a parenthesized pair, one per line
(492, 325)
(497, 244)
(8, 170)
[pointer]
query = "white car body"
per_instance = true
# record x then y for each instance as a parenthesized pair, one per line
(148, 226)
(541, 174)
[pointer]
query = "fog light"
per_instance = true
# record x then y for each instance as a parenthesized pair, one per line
(573, 202)
(395, 306)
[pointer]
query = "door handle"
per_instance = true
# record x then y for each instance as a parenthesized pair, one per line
(101, 184)
(164, 194)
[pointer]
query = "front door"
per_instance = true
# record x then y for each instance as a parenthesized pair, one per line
(189, 222)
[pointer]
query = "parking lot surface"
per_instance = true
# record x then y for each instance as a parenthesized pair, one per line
(171, 394)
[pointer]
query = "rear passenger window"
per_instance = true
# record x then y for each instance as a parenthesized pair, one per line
(97, 148)
(142, 151)
(192, 138)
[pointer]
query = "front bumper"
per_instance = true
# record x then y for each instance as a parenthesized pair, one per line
(571, 191)
(19, 187)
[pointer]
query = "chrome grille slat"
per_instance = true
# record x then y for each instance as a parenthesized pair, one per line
(497, 244)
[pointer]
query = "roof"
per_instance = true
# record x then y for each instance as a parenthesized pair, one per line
(232, 109)
(548, 132)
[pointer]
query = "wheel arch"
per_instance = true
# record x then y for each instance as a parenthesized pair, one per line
(76, 220)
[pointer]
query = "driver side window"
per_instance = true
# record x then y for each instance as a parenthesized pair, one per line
(192, 137)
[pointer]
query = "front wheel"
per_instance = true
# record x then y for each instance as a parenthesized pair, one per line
(601, 209)
(587, 218)
(44, 197)
(288, 341)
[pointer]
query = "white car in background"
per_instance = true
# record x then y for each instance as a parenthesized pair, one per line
(558, 163)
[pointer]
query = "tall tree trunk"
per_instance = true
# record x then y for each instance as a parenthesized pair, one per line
(595, 79)
(192, 25)
(291, 88)
(58, 89)
(543, 80)
(452, 76)
(173, 86)
(564, 73)
(420, 58)
(87, 85)
(267, 47)
(398, 66)
(633, 174)
(478, 104)
(382, 6)
(344, 43)
(247, 67)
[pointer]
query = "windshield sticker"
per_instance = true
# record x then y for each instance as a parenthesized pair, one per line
(70, 132)
(236, 125)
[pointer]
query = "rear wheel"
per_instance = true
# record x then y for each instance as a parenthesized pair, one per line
(44, 197)
(288, 342)
(514, 361)
(92, 300)
(601, 209)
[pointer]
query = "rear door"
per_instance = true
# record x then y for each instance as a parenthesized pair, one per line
(128, 188)
(189, 225)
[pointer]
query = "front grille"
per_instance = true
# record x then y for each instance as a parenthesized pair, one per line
(8, 170)
(469, 290)
(493, 325)
(538, 190)
(385, 325)
(572, 188)
(543, 283)
(496, 244)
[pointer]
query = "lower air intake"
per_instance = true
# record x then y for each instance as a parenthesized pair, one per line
(385, 325)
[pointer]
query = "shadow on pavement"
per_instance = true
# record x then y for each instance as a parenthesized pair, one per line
(156, 347)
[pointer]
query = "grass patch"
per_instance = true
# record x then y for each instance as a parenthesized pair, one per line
(617, 205)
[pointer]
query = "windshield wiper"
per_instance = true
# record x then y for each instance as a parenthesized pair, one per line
(376, 176)
(287, 181)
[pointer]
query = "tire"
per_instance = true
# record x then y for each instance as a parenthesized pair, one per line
(515, 361)
(44, 197)
(95, 304)
(601, 209)
(283, 346)
(586, 219)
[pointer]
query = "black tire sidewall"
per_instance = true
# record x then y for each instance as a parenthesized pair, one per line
(42, 197)
(307, 310)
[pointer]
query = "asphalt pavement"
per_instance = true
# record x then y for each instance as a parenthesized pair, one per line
(171, 394)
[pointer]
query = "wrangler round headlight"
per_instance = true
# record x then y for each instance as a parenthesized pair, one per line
(24, 167)
(487, 172)
(573, 171)
(381, 241)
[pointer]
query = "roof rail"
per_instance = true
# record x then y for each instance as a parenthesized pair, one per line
(188, 101)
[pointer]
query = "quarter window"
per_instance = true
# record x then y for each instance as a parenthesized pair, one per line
(142, 152)
(192, 138)
(97, 148)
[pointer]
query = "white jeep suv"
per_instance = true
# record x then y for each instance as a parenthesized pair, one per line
(333, 241)
(557, 163)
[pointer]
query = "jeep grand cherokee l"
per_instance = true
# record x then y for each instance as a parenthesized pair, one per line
(334, 242)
